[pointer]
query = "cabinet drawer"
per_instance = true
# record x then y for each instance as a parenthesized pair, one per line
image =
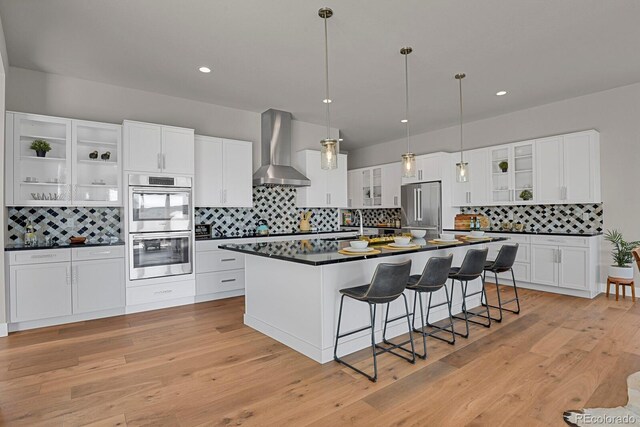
(160, 292)
(98, 252)
(207, 262)
(561, 240)
(212, 245)
(40, 256)
(209, 283)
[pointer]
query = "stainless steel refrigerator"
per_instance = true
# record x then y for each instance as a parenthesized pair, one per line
(422, 206)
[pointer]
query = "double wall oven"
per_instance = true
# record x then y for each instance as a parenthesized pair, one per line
(160, 226)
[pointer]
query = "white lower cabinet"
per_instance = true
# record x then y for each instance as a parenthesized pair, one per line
(544, 259)
(219, 273)
(40, 291)
(98, 285)
(54, 286)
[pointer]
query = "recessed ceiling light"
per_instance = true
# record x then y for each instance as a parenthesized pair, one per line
(502, 92)
(404, 121)
(204, 69)
(327, 101)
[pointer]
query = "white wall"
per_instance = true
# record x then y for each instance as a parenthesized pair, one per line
(615, 113)
(51, 94)
(4, 64)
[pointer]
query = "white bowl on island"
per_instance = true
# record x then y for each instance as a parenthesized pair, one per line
(358, 244)
(418, 234)
(402, 240)
(476, 233)
(447, 237)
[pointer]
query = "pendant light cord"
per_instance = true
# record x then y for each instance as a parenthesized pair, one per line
(406, 93)
(460, 90)
(326, 73)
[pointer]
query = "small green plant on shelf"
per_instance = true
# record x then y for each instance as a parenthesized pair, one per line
(41, 147)
(526, 195)
(503, 165)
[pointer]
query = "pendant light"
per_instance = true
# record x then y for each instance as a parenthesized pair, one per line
(408, 158)
(329, 153)
(462, 168)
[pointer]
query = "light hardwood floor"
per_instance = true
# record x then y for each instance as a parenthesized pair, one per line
(199, 365)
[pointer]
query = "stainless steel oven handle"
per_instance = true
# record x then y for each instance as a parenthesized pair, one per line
(160, 235)
(156, 190)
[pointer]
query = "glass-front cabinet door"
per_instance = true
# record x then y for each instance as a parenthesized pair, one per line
(97, 177)
(512, 173)
(41, 152)
(372, 187)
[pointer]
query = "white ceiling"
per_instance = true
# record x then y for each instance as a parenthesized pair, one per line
(269, 54)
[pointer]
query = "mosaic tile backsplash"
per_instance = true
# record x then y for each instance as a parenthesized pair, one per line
(373, 217)
(545, 218)
(277, 205)
(61, 223)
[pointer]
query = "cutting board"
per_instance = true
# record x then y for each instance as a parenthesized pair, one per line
(463, 221)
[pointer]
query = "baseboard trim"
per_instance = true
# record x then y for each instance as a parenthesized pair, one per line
(4, 330)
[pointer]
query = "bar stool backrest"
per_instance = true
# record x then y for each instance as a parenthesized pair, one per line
(505, 259)
(436, 272)
(389, 281)
(636, 255)
(473, 264)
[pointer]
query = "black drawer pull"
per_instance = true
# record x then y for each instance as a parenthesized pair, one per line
(227, 280)
(228, 259)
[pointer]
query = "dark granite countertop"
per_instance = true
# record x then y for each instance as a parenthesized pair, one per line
(293, 233)
(21, 247)
(322, 252)
(538, 233)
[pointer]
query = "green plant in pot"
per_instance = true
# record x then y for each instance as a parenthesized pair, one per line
(526, 195)
(41, 147)
(622, 255)
(503, 165)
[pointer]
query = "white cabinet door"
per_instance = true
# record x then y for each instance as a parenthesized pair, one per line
(355, 188)
(544, 266)
(40, 291)
(177, 150)
(574, 267)
(478, 176)
(208, 172)
(391, 182)
(237, 167)
(315, 195)
(337, 184)
(143, 147)
(98, 285)
(549, 170)
(429, 168)
(578, 168)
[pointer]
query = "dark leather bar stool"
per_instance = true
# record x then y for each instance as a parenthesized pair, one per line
(503, 263)
(472, 268)
(388, 284)
(434, 277)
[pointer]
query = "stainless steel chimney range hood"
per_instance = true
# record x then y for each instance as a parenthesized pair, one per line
(275, 169)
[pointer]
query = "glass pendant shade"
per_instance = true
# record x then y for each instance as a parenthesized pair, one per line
(462, 172)
(408, 165)
(329, 154)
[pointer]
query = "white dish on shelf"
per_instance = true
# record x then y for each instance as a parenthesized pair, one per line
(358, 250)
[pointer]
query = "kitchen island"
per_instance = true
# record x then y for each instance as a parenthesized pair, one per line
(291, 291)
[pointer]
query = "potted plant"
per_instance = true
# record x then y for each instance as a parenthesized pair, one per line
(526, 195)
(503, 165)
(41, 147)
(622, 256)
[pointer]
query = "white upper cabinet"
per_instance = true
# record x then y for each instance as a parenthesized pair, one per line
(512, 173)
(97, 165)
(474, 192)
(82, 168)
(328, 188)
(223, 172)
(156, 148)
(568, 168)
(375, 187)
(428, 168)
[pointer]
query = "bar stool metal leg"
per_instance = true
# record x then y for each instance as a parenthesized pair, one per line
(501, 304)
(398, 346)
(439, 328)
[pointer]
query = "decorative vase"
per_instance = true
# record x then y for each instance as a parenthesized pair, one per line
(625, 272)
(41, 153)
